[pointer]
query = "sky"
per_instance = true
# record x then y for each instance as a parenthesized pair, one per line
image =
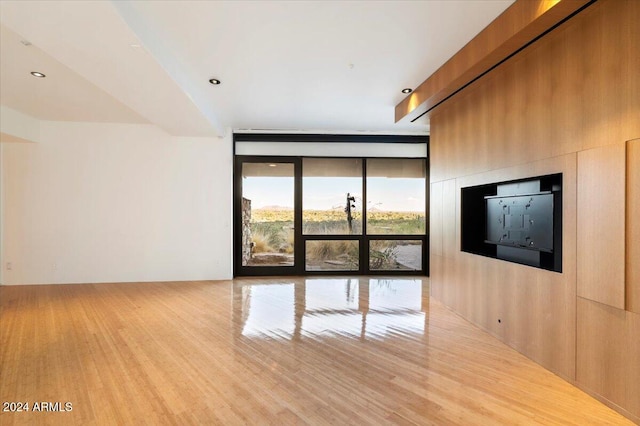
(322, 193)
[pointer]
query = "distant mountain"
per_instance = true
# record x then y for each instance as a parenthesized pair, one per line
(375, 209)
(275, 208)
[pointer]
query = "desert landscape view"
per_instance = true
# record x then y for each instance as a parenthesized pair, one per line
(272, 235)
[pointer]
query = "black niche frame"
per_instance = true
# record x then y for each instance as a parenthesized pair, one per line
(474, 225)
(300, 239)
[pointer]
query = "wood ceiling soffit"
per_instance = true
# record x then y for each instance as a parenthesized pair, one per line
(522, 22)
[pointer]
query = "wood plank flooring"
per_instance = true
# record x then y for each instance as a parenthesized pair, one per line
(268, 351)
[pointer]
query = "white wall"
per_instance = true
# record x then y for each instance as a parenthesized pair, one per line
(1, 212)
(116, 203)
(18, 127)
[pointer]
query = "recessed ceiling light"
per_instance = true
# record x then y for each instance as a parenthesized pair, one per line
(272, 165)
(37, 74)
(407, 90)
(135, 45)
(214, 81)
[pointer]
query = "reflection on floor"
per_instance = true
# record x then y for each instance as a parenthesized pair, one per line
(310, 351)
(363, 308)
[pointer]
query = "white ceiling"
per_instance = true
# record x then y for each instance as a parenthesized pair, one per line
(50, 98)
(284, 65)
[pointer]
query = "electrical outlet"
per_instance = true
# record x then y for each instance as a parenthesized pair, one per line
(9, 266)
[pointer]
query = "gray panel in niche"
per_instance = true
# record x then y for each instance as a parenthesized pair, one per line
(517, 221)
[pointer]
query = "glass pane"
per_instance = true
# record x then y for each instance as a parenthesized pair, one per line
(331, 255)
(331, 196)
(396, 196)
(395, 255)
(267, 214)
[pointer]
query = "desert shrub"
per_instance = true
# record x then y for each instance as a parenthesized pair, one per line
(331, 227)
(272, 237)
(323, 250)
(320, 250)
(383, 254)
(260, 243)
(395, 223)
(290, 241)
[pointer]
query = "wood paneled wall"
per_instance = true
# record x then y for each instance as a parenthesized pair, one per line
(608, 355)
(565, 104)
(633, 228)
(515, 27)
(576, 88)
(530, 309)
(601, 224)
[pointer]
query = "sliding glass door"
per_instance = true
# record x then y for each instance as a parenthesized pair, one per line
(298, 215)
(266, 210)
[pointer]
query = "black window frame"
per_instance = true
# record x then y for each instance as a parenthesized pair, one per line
(300, 239)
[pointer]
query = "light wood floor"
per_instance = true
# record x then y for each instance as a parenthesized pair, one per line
(277, 351)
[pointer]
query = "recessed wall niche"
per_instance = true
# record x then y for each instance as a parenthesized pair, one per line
(517, 221)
